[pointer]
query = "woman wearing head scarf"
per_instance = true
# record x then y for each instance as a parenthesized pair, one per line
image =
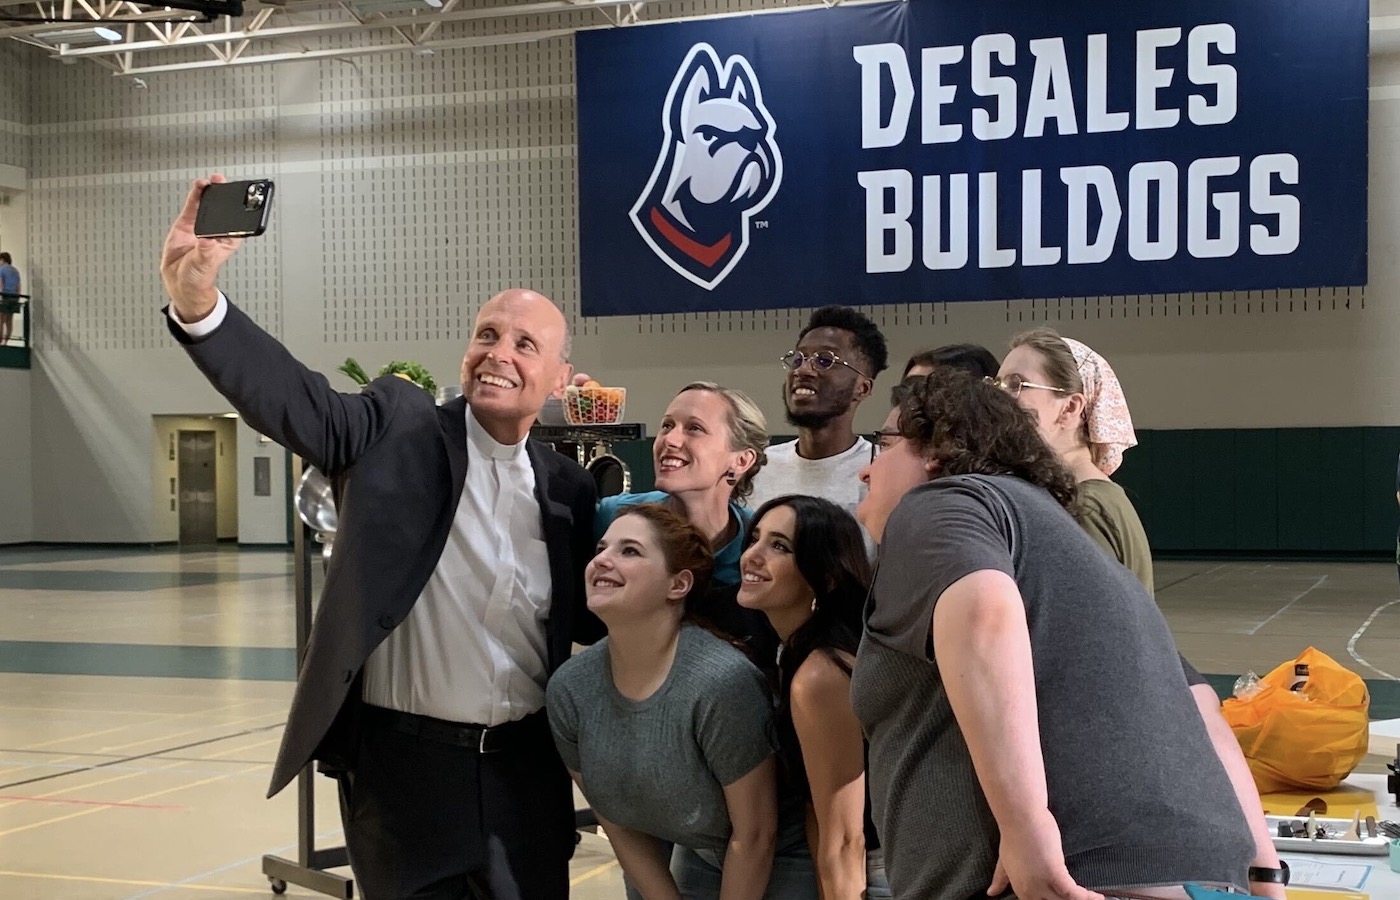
(1083, 416)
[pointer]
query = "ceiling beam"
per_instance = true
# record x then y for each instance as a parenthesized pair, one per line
(517, 10)
(493, 40)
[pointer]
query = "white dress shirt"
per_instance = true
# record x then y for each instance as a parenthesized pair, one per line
(473, 648)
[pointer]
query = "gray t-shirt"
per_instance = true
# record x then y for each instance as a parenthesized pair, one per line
(660, 765)
(1134, 784)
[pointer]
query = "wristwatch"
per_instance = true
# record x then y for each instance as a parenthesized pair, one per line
(1270, 876)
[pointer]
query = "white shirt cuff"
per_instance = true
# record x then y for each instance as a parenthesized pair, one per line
(205, 325)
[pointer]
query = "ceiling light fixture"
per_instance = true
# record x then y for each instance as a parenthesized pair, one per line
(95, 34)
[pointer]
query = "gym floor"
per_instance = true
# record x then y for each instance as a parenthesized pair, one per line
(143, 693)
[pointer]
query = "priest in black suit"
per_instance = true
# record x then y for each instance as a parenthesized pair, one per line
(455, 590)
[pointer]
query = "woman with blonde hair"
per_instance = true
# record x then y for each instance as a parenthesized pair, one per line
(711, 442)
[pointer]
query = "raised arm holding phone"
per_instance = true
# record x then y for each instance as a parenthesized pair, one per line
(455, 590)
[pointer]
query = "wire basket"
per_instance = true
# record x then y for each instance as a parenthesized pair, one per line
(594, 405)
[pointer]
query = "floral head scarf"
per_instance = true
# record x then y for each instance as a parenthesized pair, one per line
(1105, 408)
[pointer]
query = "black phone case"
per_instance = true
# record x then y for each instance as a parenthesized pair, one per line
(228, 210)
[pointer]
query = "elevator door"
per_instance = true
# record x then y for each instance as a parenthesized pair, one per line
(198, 503)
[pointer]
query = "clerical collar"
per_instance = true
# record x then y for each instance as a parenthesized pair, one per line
(485, 444)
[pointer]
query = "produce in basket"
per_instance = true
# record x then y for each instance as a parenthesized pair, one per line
(593, 404)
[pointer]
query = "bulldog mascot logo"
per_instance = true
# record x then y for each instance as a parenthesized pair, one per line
(719, 167)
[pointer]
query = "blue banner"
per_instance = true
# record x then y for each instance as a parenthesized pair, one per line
(964, 150)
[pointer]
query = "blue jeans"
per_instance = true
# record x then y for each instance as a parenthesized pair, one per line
(877, 887)
(698, 874)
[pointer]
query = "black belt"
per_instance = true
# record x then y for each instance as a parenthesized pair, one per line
(479, 738)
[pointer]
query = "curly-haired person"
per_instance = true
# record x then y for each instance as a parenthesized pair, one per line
(1014, 676)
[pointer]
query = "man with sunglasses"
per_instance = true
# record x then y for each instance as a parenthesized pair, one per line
(830, 371)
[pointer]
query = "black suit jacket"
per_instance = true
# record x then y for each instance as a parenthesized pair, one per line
(402, 461)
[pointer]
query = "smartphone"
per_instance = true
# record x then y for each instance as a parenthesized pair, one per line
(234, 209)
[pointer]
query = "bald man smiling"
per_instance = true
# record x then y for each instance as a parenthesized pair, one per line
(455, 590)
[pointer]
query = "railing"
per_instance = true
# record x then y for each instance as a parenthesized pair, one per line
(14, 345)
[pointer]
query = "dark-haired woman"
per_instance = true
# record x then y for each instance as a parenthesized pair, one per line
(667, 729)
(806, 568)
(1016, 682)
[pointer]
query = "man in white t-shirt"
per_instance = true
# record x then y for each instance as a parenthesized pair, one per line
(830, 371)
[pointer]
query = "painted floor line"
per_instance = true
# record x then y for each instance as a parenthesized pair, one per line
(92, 784)
(188, 882)
(87, 812)
(73, 802)
(1351, 644)
(592, 873)
(131, 882)
(1316, 584)
(149, 770)
(175, 768)
(153, 753)
(1171, 584)
(36, 747)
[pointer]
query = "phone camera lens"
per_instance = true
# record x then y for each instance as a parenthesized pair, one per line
(255, 197)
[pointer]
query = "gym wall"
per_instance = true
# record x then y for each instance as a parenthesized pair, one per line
(412, 188)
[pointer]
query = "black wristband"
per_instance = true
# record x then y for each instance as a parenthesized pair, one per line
(1270, 876)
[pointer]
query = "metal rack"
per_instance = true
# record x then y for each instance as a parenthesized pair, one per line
(589, 434)
(587, 443)
(309, 868)
(592, 447)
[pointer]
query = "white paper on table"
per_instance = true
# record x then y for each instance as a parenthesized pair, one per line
(1312, 873)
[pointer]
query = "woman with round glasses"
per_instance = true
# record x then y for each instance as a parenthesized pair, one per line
(711, 442)
(1015, 682)
(806, 569)
(1083, 415)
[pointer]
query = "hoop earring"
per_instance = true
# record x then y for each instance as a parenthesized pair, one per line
(814, 603)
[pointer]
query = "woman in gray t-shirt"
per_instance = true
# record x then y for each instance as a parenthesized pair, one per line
(667, 729)
(1021, 692)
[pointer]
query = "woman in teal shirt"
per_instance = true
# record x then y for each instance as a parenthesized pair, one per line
(711, 442)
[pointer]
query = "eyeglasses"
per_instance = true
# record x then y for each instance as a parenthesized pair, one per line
(821, 361)
(877, 441)
(1013, 384)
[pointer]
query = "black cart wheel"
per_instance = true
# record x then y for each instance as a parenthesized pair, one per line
(278, 885)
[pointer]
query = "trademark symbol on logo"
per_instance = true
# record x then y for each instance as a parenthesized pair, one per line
(760, 224)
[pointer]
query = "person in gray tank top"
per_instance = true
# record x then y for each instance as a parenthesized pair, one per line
(668, 731)
(1030, 726)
